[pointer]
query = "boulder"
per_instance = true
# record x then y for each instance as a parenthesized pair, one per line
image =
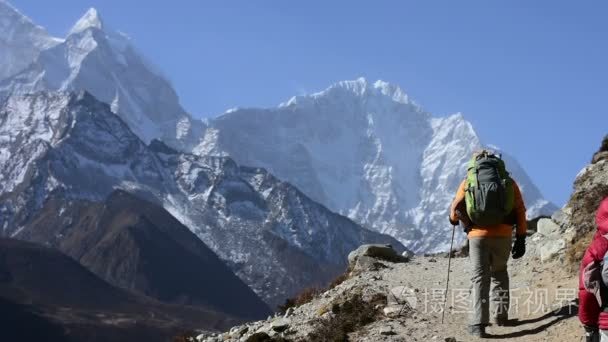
(365, 263)
(551, 248)
(561, 216)
(239, 331)
(407, 254)
(376, 251)
(280, 325)
(547, 227)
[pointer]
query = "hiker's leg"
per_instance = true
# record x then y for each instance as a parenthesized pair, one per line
(603, 336)
(500, 249)
(479, 259)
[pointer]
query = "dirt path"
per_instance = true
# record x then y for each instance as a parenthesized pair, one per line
(541, 309)
(541, 304)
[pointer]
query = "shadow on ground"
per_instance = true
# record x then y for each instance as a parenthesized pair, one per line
(552, 318)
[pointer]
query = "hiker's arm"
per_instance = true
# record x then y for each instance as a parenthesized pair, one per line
(520, 212)
(459, 198)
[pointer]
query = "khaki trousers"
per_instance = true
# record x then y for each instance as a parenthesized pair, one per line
(488, 257)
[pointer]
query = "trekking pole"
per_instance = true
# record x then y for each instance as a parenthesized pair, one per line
(447, 283)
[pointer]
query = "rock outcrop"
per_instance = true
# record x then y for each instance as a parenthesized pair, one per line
(551, 239)
(576, 219)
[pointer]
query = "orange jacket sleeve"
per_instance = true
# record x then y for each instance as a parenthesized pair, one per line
(459, 197)
(520, 211)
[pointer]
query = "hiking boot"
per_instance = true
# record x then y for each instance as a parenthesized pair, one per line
(477, 330)
(504, 322)
(592, 334)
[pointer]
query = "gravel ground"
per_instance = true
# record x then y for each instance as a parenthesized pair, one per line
(542, 308)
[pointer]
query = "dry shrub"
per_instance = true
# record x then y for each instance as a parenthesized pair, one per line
(338, 280)
(348, 316)
(584, 203)
(306, 296)
(604, 147)
(575, 252)
(186, 336)
(264, 337)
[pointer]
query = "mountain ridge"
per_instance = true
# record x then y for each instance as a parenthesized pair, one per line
(363, 149)
(260, 226)
(136, 245)
(45, 293)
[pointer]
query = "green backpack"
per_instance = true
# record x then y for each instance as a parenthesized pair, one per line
(489, 191)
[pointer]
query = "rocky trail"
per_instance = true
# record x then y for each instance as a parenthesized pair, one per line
(402, 301)
(541, 303)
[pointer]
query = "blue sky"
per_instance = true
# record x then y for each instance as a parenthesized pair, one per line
(532, 76)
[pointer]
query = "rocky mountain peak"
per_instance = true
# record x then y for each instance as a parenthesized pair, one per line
(367, 151)
(8, 12)
(358, 90)
(103, 62)
(91, 19)
(21, 40)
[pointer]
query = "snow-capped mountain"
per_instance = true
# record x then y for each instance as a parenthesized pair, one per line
(367, 151)
(362, 149)
(20, 42)
(272, 236)
(101, 61)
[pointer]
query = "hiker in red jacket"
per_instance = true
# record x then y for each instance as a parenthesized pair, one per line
(593, 277)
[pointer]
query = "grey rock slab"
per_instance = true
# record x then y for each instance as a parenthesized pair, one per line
(551, 248)
(547, 227)
(377, 251)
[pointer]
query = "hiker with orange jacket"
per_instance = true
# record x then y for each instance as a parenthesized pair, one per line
(489, 203)
(593, 277)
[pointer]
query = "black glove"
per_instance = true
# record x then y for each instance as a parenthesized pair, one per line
(519, 247)
(453, 223)
(461, 213)
(592, 334)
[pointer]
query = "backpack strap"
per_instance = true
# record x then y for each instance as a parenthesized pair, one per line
(592, 279)
(605, 270)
